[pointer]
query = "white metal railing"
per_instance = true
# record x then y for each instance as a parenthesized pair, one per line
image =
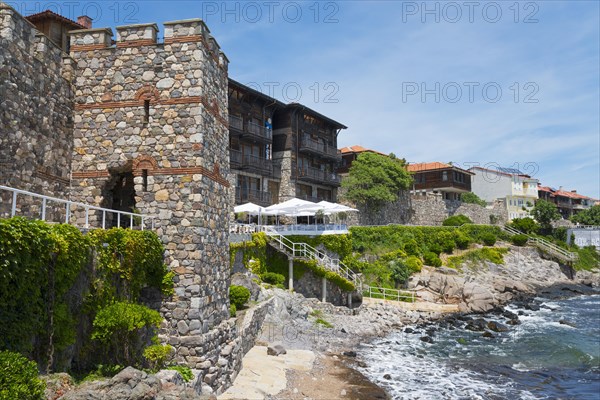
(71, 206)
(543, 244)
(304, 250)
(389, 294)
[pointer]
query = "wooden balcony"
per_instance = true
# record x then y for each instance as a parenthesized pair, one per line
(315, 175)
(250, 162)
(245, 195)
(309, 145)
(250, 130)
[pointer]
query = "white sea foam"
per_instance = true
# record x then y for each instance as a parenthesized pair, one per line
(429, 377)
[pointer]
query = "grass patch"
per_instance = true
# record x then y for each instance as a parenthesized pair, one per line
(316, 313)
(588, 259)
(321, 321)
(477, 257)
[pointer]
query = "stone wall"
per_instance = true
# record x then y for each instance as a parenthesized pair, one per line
(36, 100)
(431, 209)
(151, 134)
(398, 212)
(310, 285)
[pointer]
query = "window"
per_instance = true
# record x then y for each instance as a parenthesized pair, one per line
(145, 179)
(445, 176)
(146, 112)
(420, 178)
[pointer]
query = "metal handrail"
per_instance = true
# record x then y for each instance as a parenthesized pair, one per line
(68, 204)
(389, 294)
(542, 243)
(304, 250)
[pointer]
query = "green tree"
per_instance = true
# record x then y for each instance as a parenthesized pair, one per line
(375, 179)
(591, 216)
(472, 198)
(545, 213)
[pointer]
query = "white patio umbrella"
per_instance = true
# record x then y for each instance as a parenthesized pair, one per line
(334, 208)
(249, 208)
(294, 207)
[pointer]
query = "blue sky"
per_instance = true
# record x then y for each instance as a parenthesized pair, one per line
(489, 83)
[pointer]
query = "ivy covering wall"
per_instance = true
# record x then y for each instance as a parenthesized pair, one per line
(54, 281)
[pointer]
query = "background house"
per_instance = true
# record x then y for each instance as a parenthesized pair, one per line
(568, 203)
(351, 153)
(518, 190)
(437, 177)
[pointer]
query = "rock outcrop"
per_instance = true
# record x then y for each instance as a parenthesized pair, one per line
(132, 384)
(483, 288)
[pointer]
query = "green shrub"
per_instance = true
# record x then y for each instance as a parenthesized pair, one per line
(560, 234)
(477, 256)
(432, 259)
(273, 278)
(158, 355)
(472, 198)
(238, 296)
(118, 328)
(525, 225)
(457, 220)
(19, 378)
(232, 310)
(411, 247)
(435, 248)
(102, 371)
(519, 240)
(488, 239)
(462, 240)
(185, 372)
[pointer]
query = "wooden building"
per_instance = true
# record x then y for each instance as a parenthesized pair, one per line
(57, 28)
(350, 154)
(251, 145)
(279, 151)
(437, 177)
(305, 146)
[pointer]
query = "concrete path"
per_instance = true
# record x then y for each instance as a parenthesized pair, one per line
(424, 306)
(263, 375)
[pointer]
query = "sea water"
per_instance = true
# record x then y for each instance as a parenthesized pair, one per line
(541, 358)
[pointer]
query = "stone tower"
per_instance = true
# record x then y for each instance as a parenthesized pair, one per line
(151, 134)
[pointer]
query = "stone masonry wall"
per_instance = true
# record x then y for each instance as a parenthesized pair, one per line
(36, 101)
(158, 111)
(433, 210)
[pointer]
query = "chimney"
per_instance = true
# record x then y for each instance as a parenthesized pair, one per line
(573, 191)
(85, 21)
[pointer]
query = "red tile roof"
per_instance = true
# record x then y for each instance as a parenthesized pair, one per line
(563, 193)
(358, 149)
(427, 166)
(48, 14)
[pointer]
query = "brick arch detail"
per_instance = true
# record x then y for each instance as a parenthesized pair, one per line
(147, 92)
(144, 162)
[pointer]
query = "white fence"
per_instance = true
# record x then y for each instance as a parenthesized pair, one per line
(68, 209)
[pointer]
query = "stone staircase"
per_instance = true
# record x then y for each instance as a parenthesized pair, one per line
(545, 246)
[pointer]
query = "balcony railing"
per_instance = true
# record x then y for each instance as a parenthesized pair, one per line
(250, 129)
(318, 176)
(312, 146)
(236, 123)
(249, 161)
(245, 195)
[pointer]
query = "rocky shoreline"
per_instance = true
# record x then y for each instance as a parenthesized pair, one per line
(475, 291)
(328, 336)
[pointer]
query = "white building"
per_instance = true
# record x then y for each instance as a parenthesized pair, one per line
(518, 190)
